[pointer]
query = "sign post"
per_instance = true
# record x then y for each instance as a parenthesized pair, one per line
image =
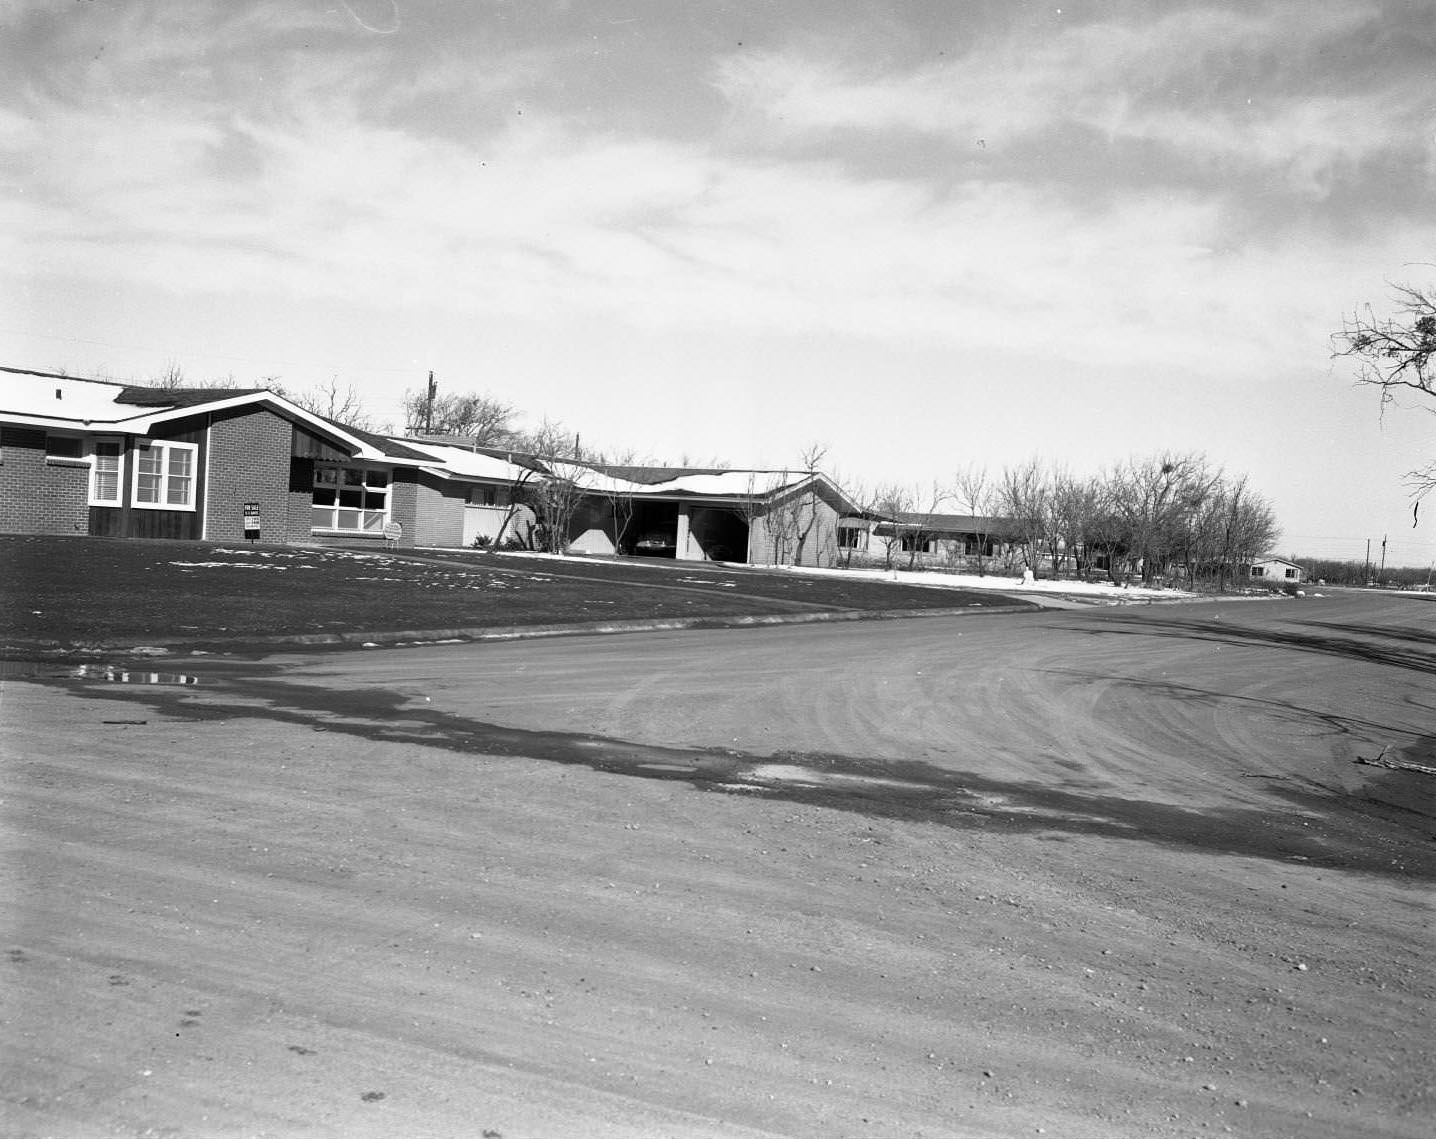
(393, 531)
(251, 521)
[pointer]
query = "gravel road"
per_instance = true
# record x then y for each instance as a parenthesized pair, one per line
(1082, 873)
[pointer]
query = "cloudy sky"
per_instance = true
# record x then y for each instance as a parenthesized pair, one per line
(926, 234)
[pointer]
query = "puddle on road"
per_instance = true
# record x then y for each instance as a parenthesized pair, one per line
(106, 673)
(112, 675)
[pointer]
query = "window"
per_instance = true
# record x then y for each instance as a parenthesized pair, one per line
(350, 498)
(1258, 571)
(848, 537)
(1290, 572)
(483, 496)
(62, 447)
(164, 476)
(107, 472)
(919, 542)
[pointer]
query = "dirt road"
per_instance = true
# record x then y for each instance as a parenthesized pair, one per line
(1091, 873)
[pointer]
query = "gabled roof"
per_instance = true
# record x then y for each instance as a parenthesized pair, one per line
(137, 396)
(68, 403)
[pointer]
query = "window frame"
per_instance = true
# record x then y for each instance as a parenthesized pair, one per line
(337, 509)
(71, 455)
(92, 453)
(166, 447)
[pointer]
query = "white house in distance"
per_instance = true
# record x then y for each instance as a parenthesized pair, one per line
(704, 514)
(1274, 571)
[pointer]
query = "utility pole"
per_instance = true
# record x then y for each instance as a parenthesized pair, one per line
(1366, 565)
(429, 408)
(1383, 557)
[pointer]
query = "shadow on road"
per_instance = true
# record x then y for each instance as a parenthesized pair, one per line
(1330, 828)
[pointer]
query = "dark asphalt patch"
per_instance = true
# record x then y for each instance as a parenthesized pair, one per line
(1325, 828)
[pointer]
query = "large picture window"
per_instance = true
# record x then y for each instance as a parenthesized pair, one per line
(350, 498)
(165, 475)
(107, 472)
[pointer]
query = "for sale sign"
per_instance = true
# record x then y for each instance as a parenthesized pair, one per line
(251, 521)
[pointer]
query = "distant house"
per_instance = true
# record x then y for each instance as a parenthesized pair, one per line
(950, 540)
(704, 513)
(1274, 571)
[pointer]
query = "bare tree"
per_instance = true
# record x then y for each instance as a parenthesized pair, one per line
(330, 401)
(890, 503)
(549, 440)
(520, 498)
(809, 525)
(172, 378)
(927, 503)
(789, 509)
(781, 512)
(1155, 497)
(1024, 496)
(1395, 355)
(861, 499)
(1073, 507)
(487, 421)
(975, 492)
(555, 499)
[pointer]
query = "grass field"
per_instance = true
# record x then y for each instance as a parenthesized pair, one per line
(76, 592)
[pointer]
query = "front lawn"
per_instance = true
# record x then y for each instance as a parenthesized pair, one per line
(70, 592)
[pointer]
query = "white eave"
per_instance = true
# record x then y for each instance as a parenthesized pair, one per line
(93, 409)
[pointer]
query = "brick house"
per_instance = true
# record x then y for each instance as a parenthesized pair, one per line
(114, 460)
(105, 459)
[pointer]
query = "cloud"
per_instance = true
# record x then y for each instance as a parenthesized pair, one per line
(293, 173)
(1251, 87)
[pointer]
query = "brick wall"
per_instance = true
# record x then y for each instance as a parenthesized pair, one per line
(249, 458)
(301, 499)
(39, 497)
(439, 513)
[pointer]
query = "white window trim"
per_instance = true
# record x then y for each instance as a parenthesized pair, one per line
(346, 532)
(119, 499)
(167, 445)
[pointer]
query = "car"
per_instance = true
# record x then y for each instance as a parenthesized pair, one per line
(656, 544)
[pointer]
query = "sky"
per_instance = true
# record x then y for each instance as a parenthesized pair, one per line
(928, 235)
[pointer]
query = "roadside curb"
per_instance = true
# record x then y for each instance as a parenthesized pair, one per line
(482, 633)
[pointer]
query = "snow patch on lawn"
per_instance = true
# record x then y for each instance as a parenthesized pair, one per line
(996, 583)
(226, 565)
(933, 579)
